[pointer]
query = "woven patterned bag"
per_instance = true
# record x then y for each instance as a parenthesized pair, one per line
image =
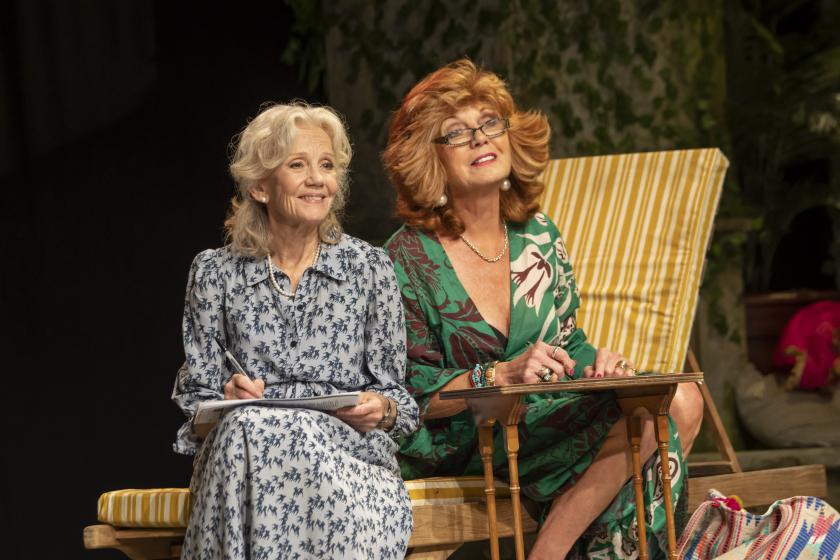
(801, 527)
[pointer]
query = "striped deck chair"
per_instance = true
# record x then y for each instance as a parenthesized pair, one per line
(637, 227)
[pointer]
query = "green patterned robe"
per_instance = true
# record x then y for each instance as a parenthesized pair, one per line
(561, 432)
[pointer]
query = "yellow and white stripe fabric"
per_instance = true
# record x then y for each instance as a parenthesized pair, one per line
(451, 490)
(637, 227)
(158, 507)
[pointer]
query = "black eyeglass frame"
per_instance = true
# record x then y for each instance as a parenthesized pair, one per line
(445, 138)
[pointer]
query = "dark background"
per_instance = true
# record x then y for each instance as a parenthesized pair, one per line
(114, 130)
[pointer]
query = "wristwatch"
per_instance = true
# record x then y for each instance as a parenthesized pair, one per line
(490, 374)
(389, 418)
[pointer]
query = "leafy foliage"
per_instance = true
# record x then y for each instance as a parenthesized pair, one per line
(758, 78)
(610, 76)
(783, 109)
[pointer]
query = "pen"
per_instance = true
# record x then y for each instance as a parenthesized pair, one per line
(233, 360)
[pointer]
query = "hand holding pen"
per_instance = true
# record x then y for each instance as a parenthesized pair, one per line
(240, 385)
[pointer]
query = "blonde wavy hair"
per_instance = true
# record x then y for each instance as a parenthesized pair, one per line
(261, 148)
(412, 161)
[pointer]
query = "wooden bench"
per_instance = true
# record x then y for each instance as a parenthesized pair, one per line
(441, 529)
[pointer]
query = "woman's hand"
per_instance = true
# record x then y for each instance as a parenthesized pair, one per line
(241, 387)
(366, 415)
(609, 364)
(528, 366)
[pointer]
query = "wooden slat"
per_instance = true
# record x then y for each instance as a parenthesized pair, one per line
(709, 468)
(761, 488)
(438, 552)
(458, 523)
(137, 544)
(106, 536)
(100, 536)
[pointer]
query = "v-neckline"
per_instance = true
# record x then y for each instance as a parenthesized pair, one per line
(467, 298)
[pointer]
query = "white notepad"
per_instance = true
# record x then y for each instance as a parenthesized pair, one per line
(209, 412)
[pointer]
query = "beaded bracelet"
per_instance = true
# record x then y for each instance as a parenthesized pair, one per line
(477, 377)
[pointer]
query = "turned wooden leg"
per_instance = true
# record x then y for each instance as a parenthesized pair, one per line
(512, 448)
(662, 434)
(485, 443)
(634, 434)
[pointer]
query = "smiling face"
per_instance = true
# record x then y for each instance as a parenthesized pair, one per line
(301, 190)
(484, 162)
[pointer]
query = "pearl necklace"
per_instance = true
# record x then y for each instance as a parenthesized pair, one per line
(276, 284)
(488, 259)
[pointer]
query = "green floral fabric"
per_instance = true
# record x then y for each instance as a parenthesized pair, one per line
(561, 432)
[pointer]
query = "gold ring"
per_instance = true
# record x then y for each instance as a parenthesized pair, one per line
(545, 374)
(556, 348)
(622, 364)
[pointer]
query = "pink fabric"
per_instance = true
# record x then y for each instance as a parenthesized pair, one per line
(810, 336)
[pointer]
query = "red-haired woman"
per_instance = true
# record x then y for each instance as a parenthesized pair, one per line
(490, 297)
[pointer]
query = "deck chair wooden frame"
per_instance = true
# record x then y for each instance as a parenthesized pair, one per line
(641, 211)
(616, 212)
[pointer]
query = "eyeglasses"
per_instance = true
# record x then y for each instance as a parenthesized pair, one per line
(463, 136)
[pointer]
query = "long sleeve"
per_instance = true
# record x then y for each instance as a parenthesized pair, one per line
(201, 376)
(427, 369)
(385, 350)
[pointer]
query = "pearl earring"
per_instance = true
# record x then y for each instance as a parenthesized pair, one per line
(505, 185)
(442, 201)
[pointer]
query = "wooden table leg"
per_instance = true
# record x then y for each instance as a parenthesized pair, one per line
(504, 404)
(662, 435)
(485, 443)
(508, 410)
(512, 448)
(634, 434)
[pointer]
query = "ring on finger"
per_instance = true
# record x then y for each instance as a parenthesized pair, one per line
(622, 364)
(545, 374)
(554, 352)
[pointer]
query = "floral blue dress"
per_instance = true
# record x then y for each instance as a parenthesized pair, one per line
(294, 483)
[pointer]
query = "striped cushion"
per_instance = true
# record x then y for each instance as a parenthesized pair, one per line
(158, 507)
(170, 507)
(637, 227)
(451, 490)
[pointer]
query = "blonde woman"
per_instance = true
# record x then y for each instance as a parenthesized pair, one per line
(307, 310)
(490, 298)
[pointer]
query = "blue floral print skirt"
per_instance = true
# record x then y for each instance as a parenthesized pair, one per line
(295, 484)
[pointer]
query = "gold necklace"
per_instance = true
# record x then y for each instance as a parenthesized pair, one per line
(479, 253)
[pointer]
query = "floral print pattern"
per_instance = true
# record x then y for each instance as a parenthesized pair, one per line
(292, 483)
(561, 432)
